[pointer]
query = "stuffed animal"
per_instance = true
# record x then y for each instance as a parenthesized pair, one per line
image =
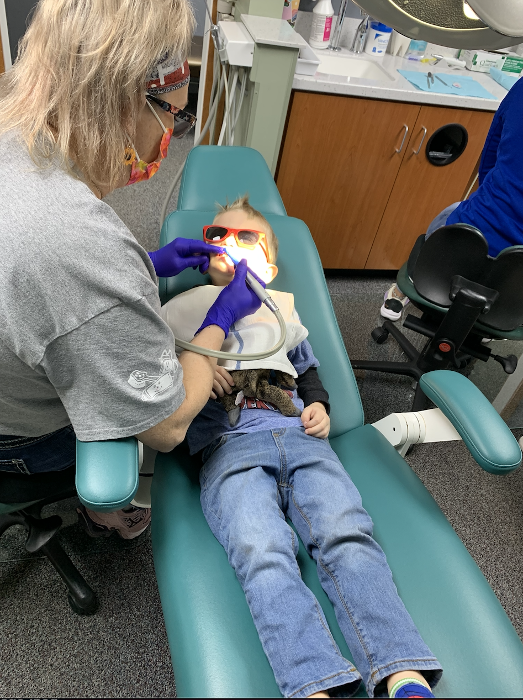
(254, 384)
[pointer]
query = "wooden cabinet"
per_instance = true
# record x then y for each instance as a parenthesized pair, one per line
(347, 171)
(422, 190)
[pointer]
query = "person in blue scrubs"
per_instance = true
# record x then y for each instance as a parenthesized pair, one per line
(496, 207)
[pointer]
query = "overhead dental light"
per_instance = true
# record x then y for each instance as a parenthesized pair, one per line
(469, 12)
(474, 24)
(503, 16)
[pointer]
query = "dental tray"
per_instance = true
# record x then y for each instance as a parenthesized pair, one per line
(446, 84)
(308, 62)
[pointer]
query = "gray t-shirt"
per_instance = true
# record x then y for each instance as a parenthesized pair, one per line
(81, 338)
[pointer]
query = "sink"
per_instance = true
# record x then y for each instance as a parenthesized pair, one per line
(352, 68)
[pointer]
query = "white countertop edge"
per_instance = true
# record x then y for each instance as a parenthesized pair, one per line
(356, 88)
(271, 31)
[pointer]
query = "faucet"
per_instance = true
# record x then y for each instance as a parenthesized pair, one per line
(358, 42)
(361, 32)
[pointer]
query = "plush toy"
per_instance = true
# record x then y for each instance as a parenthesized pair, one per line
(254, 384)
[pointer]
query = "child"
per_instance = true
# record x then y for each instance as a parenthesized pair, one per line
(269, 467)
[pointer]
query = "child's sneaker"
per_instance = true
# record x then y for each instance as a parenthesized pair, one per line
(128, 522)
(393, 306)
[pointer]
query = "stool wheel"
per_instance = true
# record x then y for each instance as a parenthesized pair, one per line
(380, 335)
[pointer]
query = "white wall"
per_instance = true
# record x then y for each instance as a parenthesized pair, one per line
(199, 11)
(13, 18)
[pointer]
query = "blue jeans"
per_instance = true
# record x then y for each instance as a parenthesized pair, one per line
(250, 484)
(34, 455)
(441, 219)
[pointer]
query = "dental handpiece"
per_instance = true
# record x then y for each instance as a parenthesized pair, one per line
(264, 296)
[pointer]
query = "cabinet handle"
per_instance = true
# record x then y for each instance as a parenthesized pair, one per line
(421, 142)
(399, 150)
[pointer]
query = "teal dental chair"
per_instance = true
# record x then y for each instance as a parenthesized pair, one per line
(214, 645)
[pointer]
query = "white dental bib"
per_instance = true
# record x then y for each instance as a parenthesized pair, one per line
(260, 331)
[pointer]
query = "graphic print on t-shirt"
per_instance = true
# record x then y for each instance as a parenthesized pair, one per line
(154, 385)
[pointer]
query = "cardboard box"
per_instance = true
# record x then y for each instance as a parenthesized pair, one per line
(481, 61)
(510, 64)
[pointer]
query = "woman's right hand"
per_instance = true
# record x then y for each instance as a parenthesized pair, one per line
(235, 301)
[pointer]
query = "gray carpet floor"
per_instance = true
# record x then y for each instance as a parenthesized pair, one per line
(122, 652)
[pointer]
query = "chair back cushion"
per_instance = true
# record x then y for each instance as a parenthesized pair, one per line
(506, 276)
(460, 249)
(219, 173)
(300, 273)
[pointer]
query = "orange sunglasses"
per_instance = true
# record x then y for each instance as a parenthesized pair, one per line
(245, 238)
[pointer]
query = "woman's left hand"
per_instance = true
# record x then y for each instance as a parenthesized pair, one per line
(316, 420)
(180, 254)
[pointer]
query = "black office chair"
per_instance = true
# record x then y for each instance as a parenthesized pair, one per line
(105, 478)
(465, 296)
(23, 497)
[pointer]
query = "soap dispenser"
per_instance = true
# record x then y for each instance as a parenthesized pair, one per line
(321, 24)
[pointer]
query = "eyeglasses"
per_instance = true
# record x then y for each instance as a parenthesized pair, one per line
(245, 238)
(183, 121)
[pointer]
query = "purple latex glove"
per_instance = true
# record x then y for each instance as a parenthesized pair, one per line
(235, 301)
(180, 254)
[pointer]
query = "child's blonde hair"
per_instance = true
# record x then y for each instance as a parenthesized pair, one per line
(242, 204)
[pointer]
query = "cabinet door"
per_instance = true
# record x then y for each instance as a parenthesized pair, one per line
(421, 189)
(338, 165)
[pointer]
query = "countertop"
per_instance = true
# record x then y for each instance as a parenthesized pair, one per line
(393, 86)
(399, 88)
(275, 32)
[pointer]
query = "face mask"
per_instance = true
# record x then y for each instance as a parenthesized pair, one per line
(140, 170)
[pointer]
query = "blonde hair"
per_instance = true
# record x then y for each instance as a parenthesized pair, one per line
(242, 204)
(78, 84)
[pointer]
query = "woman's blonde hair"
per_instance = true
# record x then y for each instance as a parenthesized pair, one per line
(78, 84)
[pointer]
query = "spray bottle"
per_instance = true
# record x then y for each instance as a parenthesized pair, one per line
(321, 24)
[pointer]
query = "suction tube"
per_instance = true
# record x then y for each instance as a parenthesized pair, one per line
(264, 296)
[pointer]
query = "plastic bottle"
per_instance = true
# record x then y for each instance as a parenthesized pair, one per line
(378, 37)
(321, 24)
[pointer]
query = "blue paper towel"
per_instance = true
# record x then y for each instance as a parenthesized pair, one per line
(504, 79)
(469, 86)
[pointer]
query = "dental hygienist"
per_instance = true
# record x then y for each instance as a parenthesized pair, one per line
(90, 105)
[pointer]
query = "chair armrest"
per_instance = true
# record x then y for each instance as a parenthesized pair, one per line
(484, 432)
(107, 473)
